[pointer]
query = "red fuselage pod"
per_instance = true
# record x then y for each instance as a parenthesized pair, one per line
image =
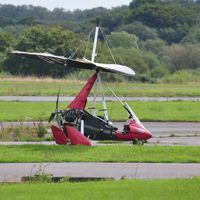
(59, 135)
(76, 137)
(133, 131)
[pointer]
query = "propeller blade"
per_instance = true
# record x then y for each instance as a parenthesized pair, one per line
(58, 120)
(56, 112)
(51, 117)
(58, 95)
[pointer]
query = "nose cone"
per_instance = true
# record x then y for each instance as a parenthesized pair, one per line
(147, 134)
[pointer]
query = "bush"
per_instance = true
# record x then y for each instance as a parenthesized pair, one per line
(5, 74)
(41, 130)
(183, 76)
(159, 72)
(41, 178)
(178, 57)
(123, 39)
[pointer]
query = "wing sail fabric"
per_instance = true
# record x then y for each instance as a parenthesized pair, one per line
(78, 63)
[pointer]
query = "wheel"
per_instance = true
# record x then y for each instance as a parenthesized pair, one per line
(138, 142)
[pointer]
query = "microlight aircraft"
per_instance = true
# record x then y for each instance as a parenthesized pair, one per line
(77, 126)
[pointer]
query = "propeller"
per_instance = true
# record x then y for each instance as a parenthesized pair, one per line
(56, 112)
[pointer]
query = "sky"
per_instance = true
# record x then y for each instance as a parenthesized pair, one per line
(69, 4)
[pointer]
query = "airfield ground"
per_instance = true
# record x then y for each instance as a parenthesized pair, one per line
(135, 156)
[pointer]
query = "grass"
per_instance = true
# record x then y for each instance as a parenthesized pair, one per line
(37, 87)
(116, 153)
(37, 132)
(125, 189)
(146, 111)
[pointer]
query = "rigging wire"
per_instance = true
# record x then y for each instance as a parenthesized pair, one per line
(82, 45)
(104, 37)
(78, 49)
(113, 48)
(88, 41)
(108, 42)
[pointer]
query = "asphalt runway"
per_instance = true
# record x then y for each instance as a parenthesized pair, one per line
(70, 98)
(13, 172)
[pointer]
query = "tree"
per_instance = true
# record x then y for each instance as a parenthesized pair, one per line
(137, 3)
(6, 40)
(174, 35)
(51, 39)
(177, 57)
(162, 15)
(142, 31)
(123, 39)
(154, 46)
(4, 21)
(139, 60)
(193, 36)
(42, 39)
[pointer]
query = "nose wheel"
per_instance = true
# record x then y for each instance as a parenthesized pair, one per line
(138, 142)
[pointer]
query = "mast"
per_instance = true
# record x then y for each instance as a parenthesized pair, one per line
(94, 54)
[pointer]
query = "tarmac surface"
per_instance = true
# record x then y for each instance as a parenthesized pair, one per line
(70, 98)
(13, 172)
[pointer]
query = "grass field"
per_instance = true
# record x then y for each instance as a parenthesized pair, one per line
(125, 189)
(146, 111)
(116, 153)
(35, 87)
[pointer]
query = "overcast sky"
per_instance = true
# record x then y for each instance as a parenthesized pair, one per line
(69, 4)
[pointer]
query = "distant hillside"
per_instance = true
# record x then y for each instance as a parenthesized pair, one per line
(155, 37)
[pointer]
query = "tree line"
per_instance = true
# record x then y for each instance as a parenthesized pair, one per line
(154, 37)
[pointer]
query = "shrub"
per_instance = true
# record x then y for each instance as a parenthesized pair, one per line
(41, 130)
(183, 76)
(159, 72)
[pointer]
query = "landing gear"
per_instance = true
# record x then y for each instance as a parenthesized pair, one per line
(138, 142)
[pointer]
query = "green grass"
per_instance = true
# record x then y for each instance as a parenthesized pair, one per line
(37, 132)
(146, 111)
(34, 87)
(116, 153)
(125, 189)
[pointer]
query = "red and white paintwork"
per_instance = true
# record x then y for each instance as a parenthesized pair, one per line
(73, 136)
(59, 136)
(80, 100)
(133, 128)
(133, 131)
